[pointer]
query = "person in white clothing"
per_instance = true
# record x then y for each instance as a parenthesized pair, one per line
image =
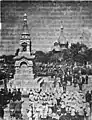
(81, 113)
(29, 114)
(73, 113)
(87, 111)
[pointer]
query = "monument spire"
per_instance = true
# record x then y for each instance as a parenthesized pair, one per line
(25, 31)
(61, 38)
(24, 75)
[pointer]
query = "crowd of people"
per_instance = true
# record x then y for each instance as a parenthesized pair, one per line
(76, 80)
(56, 68)
(55, 103)
(58, 105)
(12, 99)
(67, 74)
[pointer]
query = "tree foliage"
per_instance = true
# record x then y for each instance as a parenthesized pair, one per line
(76, 53)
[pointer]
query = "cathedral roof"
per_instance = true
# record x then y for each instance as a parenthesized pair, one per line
(61, 42)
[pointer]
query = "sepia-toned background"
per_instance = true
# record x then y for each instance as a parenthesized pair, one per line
(44, 21)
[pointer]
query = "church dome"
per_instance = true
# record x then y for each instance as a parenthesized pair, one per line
(56, 46)
(61, 43)
(56, 43)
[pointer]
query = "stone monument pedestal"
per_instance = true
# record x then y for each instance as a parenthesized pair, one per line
(24, 76)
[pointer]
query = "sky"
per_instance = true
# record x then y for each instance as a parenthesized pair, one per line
(44, 21)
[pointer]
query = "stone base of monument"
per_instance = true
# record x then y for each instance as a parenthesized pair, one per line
(24, 85)
(24, 77)
(29, 84)
(25, 81)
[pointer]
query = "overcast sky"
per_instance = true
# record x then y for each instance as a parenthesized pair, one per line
(44, 21)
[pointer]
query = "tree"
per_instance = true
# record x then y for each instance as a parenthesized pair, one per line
(40, 56)
(81, 58)
(8, 66)
(75, 48)
(89, 54)
(66, 54)
(77, 53)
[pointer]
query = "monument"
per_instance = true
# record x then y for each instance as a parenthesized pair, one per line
(24, 76)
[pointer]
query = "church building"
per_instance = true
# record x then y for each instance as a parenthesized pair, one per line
(61, 43)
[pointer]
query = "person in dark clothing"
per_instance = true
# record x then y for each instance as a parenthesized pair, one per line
(49, 118)
(64, 86)
(91, 101)
(70, 79)
(18, 106)
(10, 95)
(6, 101)
(91, 94)
(14, 94)
(80, 85)
(2, 98)
(1, 112)
(58, 101)
(83, 80)
(64, 83)
(88, 97)
(65, 79)
(63, 110)
(12, 108)
(19, 94)
(75, 82)
(86, 78)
